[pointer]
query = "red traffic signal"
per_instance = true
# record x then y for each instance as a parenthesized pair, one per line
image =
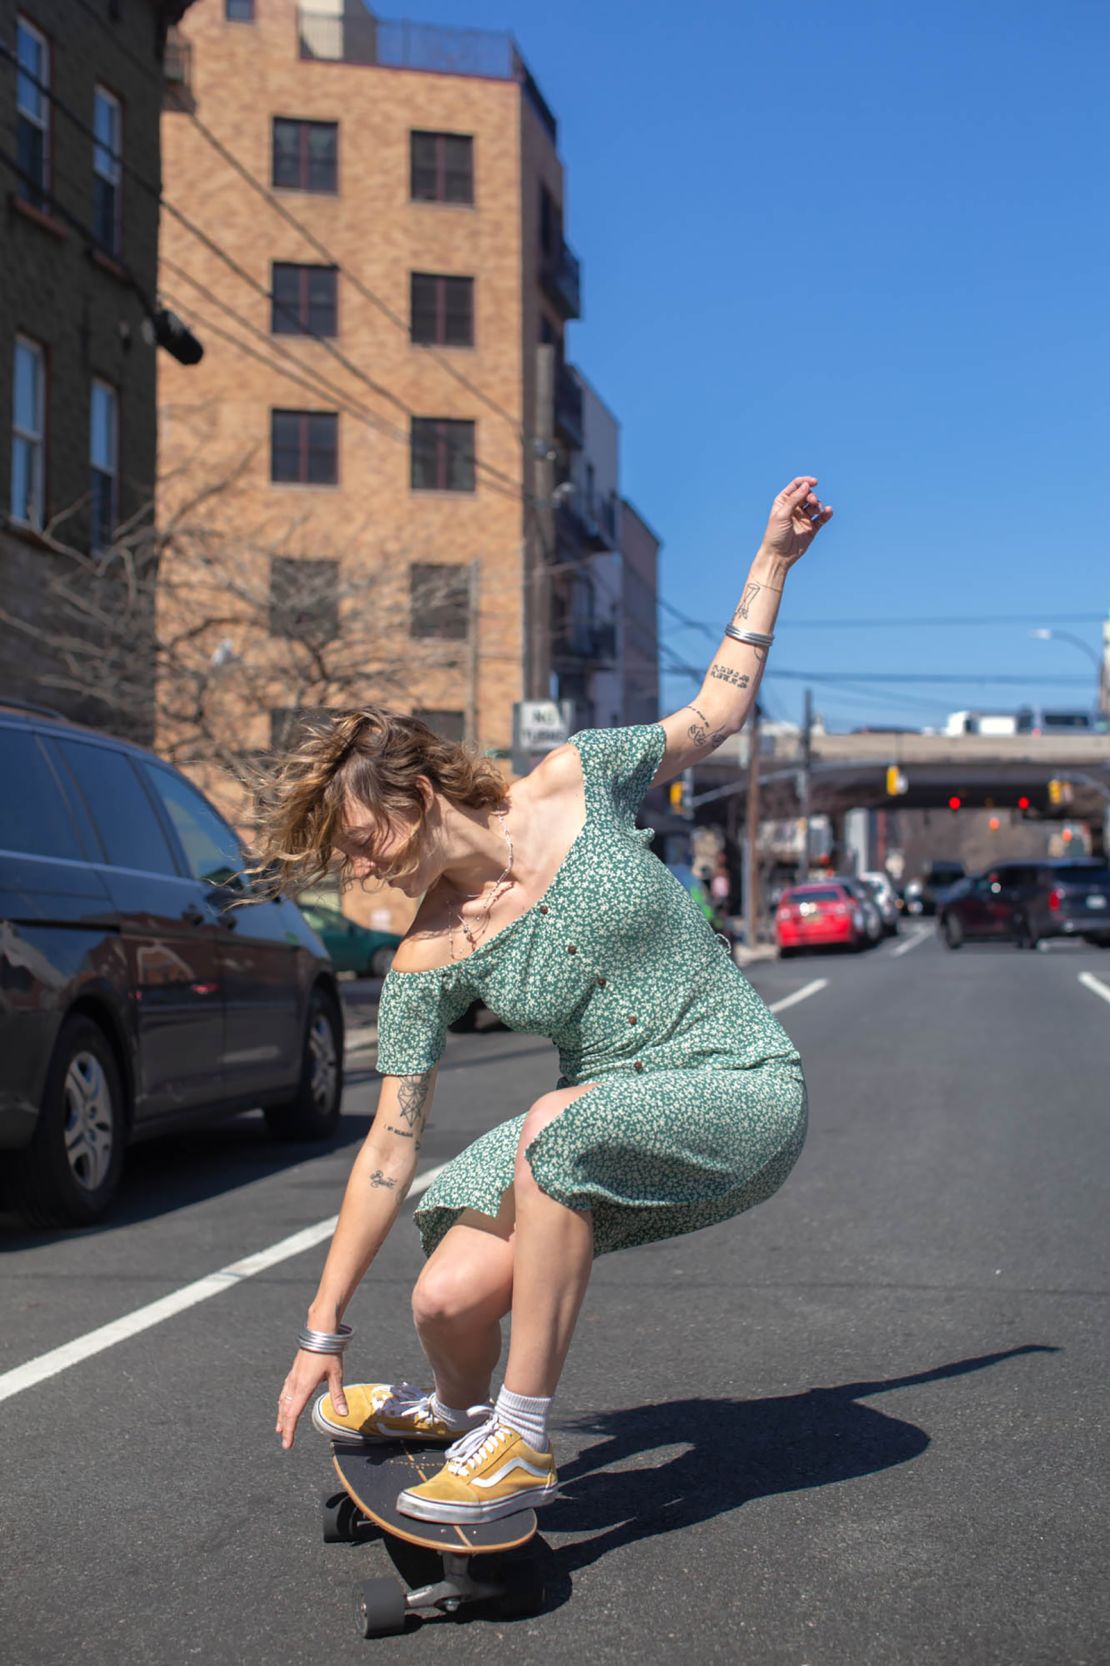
(1023, 803)
(954, 803)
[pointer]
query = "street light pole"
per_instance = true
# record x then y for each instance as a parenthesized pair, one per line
(1044, 634)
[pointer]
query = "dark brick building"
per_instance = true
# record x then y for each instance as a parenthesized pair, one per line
(81, 85)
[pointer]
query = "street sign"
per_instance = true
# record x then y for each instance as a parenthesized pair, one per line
(539, 726)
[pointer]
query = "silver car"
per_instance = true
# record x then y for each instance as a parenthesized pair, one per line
(885, 898)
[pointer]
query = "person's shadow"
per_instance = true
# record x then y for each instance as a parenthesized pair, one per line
(732, 1451)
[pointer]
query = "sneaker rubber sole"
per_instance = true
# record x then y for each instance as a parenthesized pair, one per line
(426, 1509)
(367, 1437)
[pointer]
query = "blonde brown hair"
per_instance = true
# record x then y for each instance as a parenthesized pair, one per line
(373, 757)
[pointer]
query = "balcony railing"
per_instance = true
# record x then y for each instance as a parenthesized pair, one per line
(568, 408)
(561, 276)
(177, 72)
(353, 35)
(585, 640)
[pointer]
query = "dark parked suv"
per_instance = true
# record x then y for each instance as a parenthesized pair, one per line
(133, 996)
(1026, 902)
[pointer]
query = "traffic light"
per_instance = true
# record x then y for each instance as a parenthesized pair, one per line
(676, 795)
(1055, 792)
(954, 803)
(1023, 803)
(681, 793)
(896, 782)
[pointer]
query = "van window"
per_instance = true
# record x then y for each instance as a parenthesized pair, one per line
(125, 818)
(33, 813)
(211, 849)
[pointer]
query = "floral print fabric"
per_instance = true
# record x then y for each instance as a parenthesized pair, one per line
(699, 1108)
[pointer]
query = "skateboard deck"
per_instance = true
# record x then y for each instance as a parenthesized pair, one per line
(462, 1553)
(374, 1475)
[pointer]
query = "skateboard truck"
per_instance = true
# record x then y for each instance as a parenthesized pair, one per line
(383, 1605)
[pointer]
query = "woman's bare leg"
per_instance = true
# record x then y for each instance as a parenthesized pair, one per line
(463, 1293)
(552, 1259)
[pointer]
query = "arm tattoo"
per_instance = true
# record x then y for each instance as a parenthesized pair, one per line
(378, 1179)
(701, 734)
(726, 674)
(743, 607)
(412, 1108)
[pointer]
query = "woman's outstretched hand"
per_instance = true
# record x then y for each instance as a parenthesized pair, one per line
(797, 516)
(306, 1374)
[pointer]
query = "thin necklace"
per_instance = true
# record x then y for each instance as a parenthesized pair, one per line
(472, 936)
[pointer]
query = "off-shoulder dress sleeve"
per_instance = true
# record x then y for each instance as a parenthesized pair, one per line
(621, 762)
(413, 1014)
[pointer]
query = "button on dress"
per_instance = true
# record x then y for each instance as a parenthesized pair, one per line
(699, 1109)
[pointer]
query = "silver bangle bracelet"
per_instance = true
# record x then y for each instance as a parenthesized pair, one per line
(756, 639)
(324, 1341)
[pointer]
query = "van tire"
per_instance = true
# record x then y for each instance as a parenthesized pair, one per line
(60, 1182)
(314, 1110)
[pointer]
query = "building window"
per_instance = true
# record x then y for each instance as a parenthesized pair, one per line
(32, 103)
(239, 11)
(442, 455)
(442, 310)
(451, 725)
(304, 300)
(439, 600)
(442, 167)
(107, 173)
(306, 155)
(104, 464)
(28, 432)
(304, 599)
(304, 447)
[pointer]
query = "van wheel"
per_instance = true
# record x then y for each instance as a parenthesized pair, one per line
(313, 1112)
(1023, 934)
(68, 1174)
(952, 931)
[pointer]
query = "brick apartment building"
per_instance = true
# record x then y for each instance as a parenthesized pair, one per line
(82, 92)
(384, 298)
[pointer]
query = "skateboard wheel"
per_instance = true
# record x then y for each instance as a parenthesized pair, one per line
(340, 1519)
(380, 1608)
(524, 1587)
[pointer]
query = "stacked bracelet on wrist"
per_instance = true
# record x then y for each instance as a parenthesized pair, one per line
(325, 1341)
(756, 639)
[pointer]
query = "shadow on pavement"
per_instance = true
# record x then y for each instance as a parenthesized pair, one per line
(733, 1451)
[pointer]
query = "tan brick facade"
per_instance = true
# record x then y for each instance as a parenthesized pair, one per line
(215, 418)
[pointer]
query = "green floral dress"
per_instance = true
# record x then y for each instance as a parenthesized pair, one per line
(700, 1105)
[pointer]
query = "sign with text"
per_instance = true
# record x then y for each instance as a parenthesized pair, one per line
(539, 726)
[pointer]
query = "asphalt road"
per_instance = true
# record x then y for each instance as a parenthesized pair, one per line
(863, 1425)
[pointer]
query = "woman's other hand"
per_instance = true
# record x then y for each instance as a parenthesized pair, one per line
(306, 1374)
(797, 516)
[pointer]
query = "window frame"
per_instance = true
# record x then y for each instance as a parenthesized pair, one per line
(113, 101)
(443, 427)
(450, 607)
(441, 169)
(442, 282)
(303, 306)
(37, 441)
(304, 124)
(97, 470)
(250, 15)
(304, 448)
(319, 622)
(38, 198)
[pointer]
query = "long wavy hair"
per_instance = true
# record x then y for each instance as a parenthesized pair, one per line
(372, 757)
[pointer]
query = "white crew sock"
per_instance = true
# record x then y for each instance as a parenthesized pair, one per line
(461, 1418)
(527, 1415)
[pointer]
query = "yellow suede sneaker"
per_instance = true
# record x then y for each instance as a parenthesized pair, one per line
(387, 1411)
(490, 1472)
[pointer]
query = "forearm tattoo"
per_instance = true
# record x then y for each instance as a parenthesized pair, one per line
(378, 1179)
(412, 1108)
(743, 606)
(726, 674)
(701, 733)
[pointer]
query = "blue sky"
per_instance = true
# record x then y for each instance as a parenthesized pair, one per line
(866, 241)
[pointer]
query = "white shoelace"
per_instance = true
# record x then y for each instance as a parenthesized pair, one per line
(470, 1451)
(407, 1399)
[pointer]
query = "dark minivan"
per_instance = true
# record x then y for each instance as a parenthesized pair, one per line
(1028, 902)
(135, 996)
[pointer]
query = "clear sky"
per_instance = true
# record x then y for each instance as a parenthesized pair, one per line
(865, 240)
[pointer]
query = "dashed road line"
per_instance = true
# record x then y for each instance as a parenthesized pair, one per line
(1095, 985)
(213, 1284)
(911, 942)
(802, 994)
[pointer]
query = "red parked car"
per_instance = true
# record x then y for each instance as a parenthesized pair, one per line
(819, 916)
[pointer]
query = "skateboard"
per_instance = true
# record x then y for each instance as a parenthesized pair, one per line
(466, 1561)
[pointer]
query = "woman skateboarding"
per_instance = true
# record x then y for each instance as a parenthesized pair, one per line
(681, 1100)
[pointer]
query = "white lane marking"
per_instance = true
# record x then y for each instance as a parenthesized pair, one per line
(1095, 985)
(912, 942)
(213, 1284)
(802, 994)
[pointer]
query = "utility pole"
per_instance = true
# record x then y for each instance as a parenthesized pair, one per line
(471, 731)
(805, 784)
(537, 579)
(751, 842)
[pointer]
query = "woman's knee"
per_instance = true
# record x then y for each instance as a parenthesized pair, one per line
(456, 1291)
(545, 1110)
